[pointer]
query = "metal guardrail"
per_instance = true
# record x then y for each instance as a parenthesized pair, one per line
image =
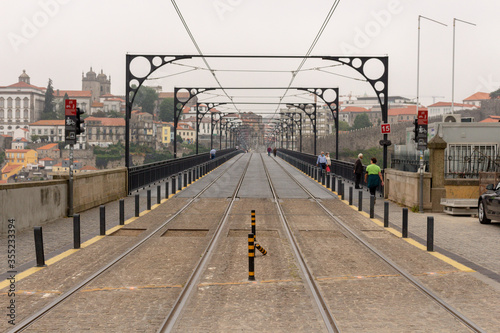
(143, 175)
(338, 168)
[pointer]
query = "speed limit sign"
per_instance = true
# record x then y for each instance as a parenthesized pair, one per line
(385, 128)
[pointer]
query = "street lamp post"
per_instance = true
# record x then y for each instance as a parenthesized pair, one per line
(453, 65)
(421, 199)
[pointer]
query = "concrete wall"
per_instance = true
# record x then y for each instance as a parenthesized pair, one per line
(403, 187)
(32, 203)
(98, 187)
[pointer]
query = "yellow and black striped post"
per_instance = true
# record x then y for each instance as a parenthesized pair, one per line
(261, 249)
(251, 256)
(253, 222)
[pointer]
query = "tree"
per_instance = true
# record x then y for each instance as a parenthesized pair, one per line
(48, 109)
(362, 121)
(34, 138)
(115, 114)
(495, 94)
(61, 112)
(167, 109)
(344, 126)
(179, 139)
(146, 98)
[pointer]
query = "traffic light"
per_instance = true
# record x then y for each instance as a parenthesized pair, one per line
(80, 128)
(415, 130)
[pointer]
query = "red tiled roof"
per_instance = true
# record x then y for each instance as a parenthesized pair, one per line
(97, 105)
(355, 109)
(25, 129)
(6, 136)
(48, 123)
(114, 99)
(73, 93)
(24, 140)
(89, 167)
(47, 147)
(171, 94)
(9, 167)
(449, 104)
(478, 96)
(107, 121)
(17, 150)
(58, 164)
(491, 119)
(108, 95)
(409, 110)
(24, 85)
(46, 159)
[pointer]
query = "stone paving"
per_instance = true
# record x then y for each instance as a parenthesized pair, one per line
(362, 292)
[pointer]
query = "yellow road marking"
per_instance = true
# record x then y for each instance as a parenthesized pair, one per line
(452, 262)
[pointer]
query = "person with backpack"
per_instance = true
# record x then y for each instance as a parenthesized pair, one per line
(373, 176)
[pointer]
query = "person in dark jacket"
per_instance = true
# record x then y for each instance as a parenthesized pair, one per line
(274, 151)
(358, 171)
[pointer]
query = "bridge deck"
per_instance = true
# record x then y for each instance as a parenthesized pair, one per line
(363, 295)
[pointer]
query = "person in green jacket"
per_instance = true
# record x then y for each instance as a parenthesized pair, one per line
(373, 176)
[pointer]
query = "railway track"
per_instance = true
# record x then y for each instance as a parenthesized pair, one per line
(434, 297)
(26, 323)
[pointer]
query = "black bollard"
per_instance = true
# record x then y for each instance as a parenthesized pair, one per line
(253, 222)
(339, 186)
(328, 179)
(189, 177)
(102, 220)
(166, 190)
(122, 212)
(173, 185)
(76, 231)
(179, 181)
(158, 194)
(360, 201)
(405, 223)
(430, 233)
(323, 176)
(350, 195)
(40, 256)
(185, 178)
(386, 214)
(333, 183)
(372, 206)
(137, 205)
(148, 200)
(251, 256)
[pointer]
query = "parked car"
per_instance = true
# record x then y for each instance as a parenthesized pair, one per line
(489, 204)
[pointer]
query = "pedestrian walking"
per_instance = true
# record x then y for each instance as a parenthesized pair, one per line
(328, 162)
(358, 170)
(321, 161)
(269, 151)
(373, 176)
(212, 153)
(274, 151)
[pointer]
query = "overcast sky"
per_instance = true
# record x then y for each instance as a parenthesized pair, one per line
(60, 39)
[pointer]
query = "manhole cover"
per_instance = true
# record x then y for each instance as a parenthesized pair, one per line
(185, 233)
(321, 233)
(260, 233)
(127, 232)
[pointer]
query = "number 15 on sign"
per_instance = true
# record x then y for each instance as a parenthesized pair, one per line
(385, 128)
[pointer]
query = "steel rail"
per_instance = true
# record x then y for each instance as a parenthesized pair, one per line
(327, 316)
(169, 322)
(42, 312)
(457, 314)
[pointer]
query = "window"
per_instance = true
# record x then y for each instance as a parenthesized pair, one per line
(18, 102)
(60, 131)
(26, 114)
(9, 114)
(39, 131)
(45, 131)
(9, 102)
(26, 102)
(2, 102)
(18, 114)
(1, 114)
(467, 160)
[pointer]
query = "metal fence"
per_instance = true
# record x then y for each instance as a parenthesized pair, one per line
(338, 169)
(141, 176)
(409, 162)
(467, 161)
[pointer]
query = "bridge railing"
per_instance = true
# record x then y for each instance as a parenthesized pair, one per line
(338, 168)
(143, 175)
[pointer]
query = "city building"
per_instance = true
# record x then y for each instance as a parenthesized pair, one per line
(49, 151)
(104, 131)
(187, 133)
(83, 98)
(47, 130)
(477, 98)
(409, 113)
(19, 143)
(141, 128)
(442, 108)
(21, 103)
(99, 85)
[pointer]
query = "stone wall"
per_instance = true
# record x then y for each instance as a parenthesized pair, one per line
(462, 188)
(32, 203)
(404, 188)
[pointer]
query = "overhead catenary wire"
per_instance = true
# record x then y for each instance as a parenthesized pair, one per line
(197, 47)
